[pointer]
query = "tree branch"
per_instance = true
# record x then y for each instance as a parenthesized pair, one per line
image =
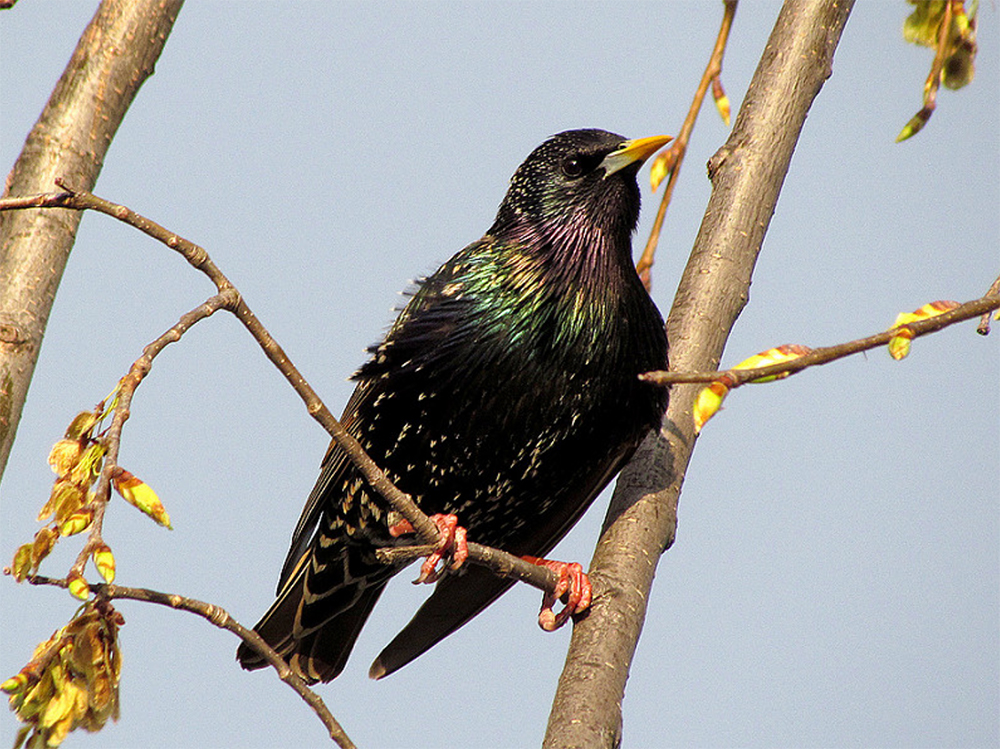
(747, 174)
(499, 561)
(113, 58)
(123, 402)
(222, 619)
(644, 267)
(984, 322)
(736, 377)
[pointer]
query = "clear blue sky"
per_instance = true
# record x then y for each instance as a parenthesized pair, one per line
(835, 576)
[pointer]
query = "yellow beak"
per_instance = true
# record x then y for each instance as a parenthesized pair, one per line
(632, 151)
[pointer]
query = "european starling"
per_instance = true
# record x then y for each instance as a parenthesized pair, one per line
(506, 394)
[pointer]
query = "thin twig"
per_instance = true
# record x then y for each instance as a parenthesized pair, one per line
(736, 377)
(222, 619)
(229, 298)
(123, 400)
(679, 148)
(426, 531)
(933, 82)
(984, 322)
(424, 528)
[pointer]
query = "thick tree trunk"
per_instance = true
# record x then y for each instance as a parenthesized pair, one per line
(113, 58)
(747, 174)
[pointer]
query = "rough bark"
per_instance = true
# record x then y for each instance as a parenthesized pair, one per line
(747, 174)
(113, 58)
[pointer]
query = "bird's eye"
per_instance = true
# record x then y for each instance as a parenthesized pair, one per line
(572, 167)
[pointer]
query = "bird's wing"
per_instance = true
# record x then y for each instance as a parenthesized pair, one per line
(457, 599)
(454, 602)
(334, 463)
(426, 330)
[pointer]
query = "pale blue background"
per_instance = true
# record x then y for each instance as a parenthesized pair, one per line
(835, 576)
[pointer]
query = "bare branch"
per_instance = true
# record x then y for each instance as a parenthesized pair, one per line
(984, 322)
(678, 150)
(502, 563)
(736, 377)
(113, 58)
(222, 619)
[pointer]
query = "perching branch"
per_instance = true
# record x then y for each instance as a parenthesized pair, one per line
(229, 298)
(220, 618)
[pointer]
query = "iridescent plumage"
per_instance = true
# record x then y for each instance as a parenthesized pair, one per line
(506, 393)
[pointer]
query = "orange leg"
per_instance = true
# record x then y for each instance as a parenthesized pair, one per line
(453, 544)
(573, 588)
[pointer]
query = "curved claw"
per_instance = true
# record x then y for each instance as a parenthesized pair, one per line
(453, 544)
(573, 588)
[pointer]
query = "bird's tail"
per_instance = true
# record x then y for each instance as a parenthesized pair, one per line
(316, 647)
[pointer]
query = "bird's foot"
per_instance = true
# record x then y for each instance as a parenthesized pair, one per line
(453, 544)
(573, 589)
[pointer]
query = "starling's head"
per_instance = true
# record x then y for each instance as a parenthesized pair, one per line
(578, 180)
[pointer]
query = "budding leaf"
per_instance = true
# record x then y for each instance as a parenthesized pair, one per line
(707, 404)
(64, 455)
(658, 170)
(82, 425)
(138, 494)
(78, 522)
(722, 104)
(931, 309)
(67, 498)
(45, 539)
(721, 100)
(104, 560)
(899, 345)
(78, 586)
(788, 352)
(14, 684)
(914, 125)
(20, 568)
